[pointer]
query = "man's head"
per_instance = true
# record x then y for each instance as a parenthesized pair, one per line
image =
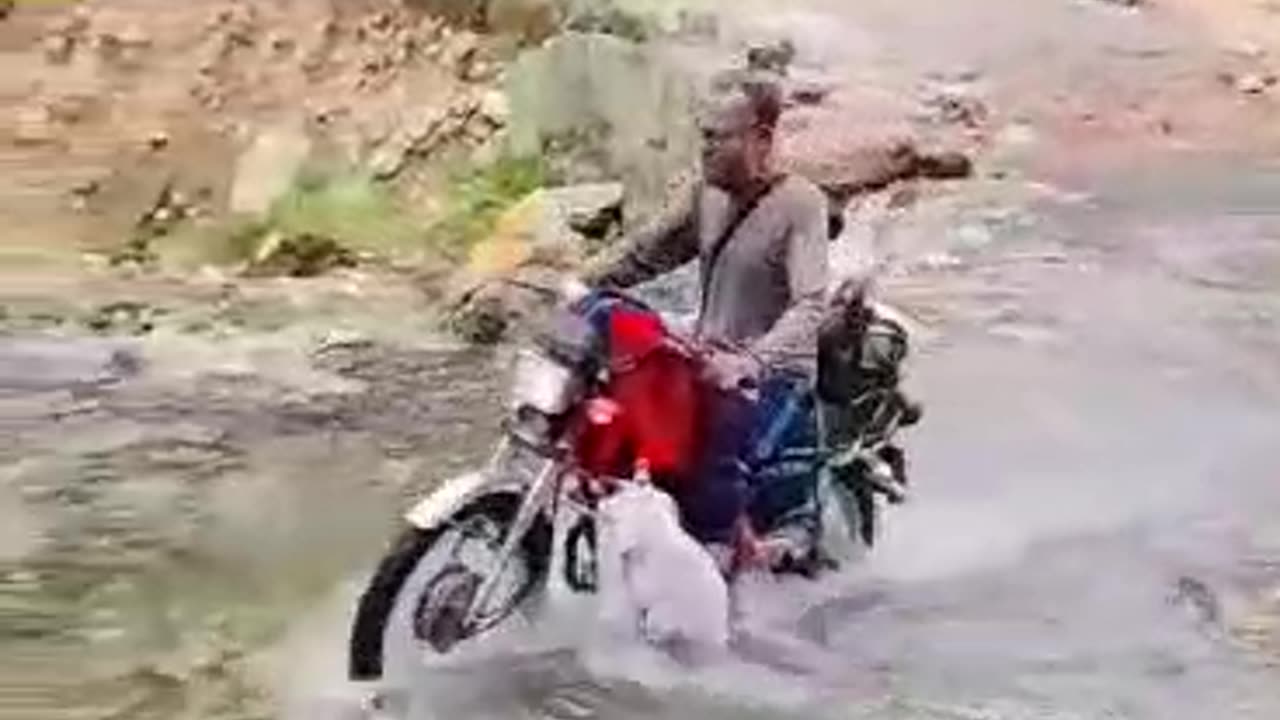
(738, 127)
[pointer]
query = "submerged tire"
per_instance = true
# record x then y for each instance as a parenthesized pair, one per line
(404, 575)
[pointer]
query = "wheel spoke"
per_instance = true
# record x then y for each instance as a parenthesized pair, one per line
(474, 548)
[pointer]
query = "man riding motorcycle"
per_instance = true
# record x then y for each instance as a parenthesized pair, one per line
(761, 239)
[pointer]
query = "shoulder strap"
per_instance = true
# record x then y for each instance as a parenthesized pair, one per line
(730, 229)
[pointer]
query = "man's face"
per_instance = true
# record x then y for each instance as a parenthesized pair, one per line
(733, 145)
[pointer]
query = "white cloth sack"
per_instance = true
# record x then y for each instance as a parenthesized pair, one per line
(656, 581)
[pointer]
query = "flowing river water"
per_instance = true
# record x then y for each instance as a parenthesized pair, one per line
(1093, 532)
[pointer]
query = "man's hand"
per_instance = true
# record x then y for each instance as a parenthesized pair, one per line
(572, 289)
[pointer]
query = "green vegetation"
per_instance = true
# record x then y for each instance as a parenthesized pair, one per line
(477, 197)
(328, 220)
(353, 210)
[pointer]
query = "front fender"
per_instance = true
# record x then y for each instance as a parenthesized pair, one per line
(453, 494)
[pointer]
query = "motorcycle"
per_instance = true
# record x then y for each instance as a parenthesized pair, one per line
(480, 547)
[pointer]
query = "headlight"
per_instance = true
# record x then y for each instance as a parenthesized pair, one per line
(542, 383)
(883, 349)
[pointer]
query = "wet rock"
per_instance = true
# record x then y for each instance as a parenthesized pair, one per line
(848, 163)
(1198, 597)
(548, 229)
(343, 340)
(83, 192)
(158, 140)
(1255, 83)
(166, 211)
(775, 57)
(946, 165)
(483, 319)
(124, 317)
(495, 108)
(267, 170)
(810, 93)
(124, 363)
(956, 106)
(301, 255)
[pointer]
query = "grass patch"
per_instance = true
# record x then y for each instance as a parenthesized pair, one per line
(352, 214)
(353, 210)
(346, 211)
(476, 197)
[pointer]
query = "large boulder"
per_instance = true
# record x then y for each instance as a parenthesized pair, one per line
(550, 231)
(551, 227)
(853, 160)
(619, 110)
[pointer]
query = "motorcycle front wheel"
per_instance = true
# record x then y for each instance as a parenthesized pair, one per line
(419, 596)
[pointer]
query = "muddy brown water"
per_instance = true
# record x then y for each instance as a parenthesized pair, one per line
(1096, 492)
(185, 518)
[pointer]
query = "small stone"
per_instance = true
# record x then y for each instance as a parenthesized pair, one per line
(82, 192)
(337, 339)
(158, 140)
(495, 108)
(134, 36)
(280, 43)
(811, 93)
(1255, 84)
(58, 49)
(957, 106)
(87, 188)
(480, 71)
(462, 53)
(944, 165)
(771, 57)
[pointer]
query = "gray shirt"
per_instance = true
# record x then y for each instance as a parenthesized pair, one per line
(767, 288)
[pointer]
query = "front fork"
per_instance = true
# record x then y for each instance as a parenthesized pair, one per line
(541, 493)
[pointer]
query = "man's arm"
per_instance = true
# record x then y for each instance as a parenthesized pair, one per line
(793, 338)
(664, 244)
